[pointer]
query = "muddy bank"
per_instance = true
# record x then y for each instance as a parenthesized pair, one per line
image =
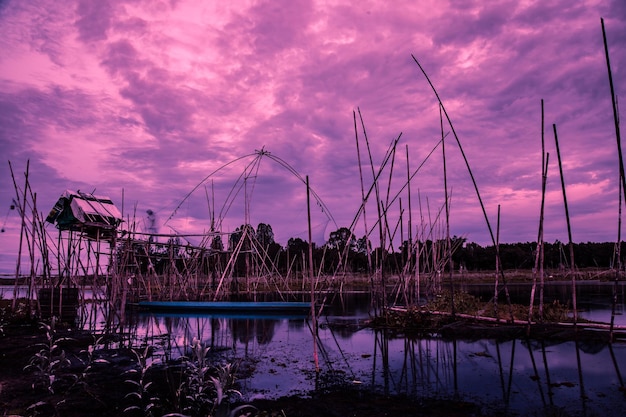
(356, 403)
(65, 383)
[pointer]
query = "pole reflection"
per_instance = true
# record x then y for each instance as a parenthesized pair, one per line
(457, 369)
(521, 376)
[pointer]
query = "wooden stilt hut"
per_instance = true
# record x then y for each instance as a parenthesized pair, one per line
(82, 220)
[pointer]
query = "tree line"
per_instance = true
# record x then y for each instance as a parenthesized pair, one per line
(249, 251)
(344, 250)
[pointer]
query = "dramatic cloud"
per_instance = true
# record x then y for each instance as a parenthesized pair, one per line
(194, 109)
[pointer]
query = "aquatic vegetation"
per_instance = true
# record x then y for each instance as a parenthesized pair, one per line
(205, 389)
(201, 389)
(437, 315)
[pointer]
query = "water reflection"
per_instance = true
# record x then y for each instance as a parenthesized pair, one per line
(513, 376)
(275, 357)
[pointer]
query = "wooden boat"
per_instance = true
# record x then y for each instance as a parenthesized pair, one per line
(233, 307)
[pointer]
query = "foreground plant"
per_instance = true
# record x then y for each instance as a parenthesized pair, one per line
(203, 390)
(88, 366)
(50, 360)
(145, 403)
(3, 320)
(207, 390)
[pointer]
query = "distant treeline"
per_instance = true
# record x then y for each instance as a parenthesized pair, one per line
(254, 252)
(523, 255)
(469, 256)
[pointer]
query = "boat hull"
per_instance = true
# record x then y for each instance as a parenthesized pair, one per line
(233, 307)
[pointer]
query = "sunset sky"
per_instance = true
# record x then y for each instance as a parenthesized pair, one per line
(146, 101)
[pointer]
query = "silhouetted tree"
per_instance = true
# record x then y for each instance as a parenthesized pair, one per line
(362, 245)
(264, 235)
(245, 232)
(340, 238)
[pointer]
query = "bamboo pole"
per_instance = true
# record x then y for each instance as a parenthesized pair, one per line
(231, 261)
(379, 303)
(541, 265)
(363, 201)
(431, 251)
(447, 206)
(41, 231)
(539, 254)
(401, 224)
(418, 249)
(22, 229)
(409, 224)
(386, 229)
(619, 153)
(33, 272)
(544, 173)
(311, 277)
(471, 174)
(569, 227)
(495, 289)
(403, 279)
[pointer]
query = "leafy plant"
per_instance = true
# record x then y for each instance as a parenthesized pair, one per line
(205, 390)
(3, 320)
(89, 364)
(48, 362)
(144, 402)
(90, 355)
(194, 391)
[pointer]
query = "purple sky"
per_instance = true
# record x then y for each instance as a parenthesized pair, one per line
(146, 99)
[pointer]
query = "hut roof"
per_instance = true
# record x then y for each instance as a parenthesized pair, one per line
(83, 211)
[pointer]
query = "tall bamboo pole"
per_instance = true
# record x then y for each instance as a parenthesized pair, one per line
(404, 276)
(418, 249)
(363, 204)
(410, 221)
(447, 204)
(22, 229)
(621, 163)
(569, 227)
(381, 302)
(539, 254)
(33, 272)
(311, 277)
(495, 289)
(544, 169)
(471, 174)
(401, 224)
(386, 230)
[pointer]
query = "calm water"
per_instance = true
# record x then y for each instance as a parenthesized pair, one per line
(276, 356)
